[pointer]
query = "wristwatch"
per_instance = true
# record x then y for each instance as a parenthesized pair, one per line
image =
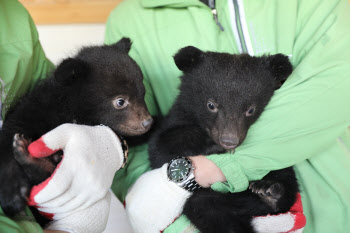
(180, 171)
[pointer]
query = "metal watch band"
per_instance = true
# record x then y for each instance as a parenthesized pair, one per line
(191, 185)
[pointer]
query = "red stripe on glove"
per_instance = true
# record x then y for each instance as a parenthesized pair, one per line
(36, 189)
(47, 215)
(299, 217)
(39, 149)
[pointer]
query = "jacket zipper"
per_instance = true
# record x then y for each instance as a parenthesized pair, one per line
(211, 4)
(239, 26)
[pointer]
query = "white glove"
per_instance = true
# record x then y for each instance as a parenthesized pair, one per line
(79, 186)
(90, 220)
(292, 222)
(152, 190)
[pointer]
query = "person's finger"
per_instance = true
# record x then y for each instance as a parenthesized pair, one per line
(79, 202)
(90, 220)
(60, 200)
(73, 204)
(56, 185)
(92, 201)
(39, 149)
(51, 142)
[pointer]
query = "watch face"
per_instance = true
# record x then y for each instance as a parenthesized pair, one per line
(179, 170)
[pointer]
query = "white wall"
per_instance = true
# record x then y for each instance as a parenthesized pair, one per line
(59, 42)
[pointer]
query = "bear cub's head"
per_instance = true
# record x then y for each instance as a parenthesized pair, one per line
(106, 87)
(225, 94)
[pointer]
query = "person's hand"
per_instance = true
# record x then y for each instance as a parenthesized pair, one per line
(78, 188)
(154, 202)
(206, 172)
(92, 219)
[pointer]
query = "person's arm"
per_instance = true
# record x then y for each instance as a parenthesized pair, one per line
(23, 61)
(76, 197)
(306, 116)
(22, 64)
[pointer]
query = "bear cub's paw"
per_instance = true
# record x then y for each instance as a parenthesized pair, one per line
(269, 191)
(44, 167)
(20, 145)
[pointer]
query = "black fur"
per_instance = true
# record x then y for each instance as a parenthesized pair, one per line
(234, 84)
(82, 90)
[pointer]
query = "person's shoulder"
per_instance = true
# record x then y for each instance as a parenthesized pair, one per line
(129, 19)
(13, 8)
(127, 9)
(16, 23)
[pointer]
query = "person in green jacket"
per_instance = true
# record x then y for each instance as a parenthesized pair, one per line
(306, 124)
(20, 54)
(22, 64)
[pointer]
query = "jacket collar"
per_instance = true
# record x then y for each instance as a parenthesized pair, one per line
(171, 3)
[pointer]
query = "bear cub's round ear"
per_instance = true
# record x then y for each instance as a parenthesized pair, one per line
(280, 67)
(187, 58)
(70, 70)
(123, 45)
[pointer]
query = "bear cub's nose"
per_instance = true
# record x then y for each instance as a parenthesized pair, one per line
(229, 141)
(147, 123)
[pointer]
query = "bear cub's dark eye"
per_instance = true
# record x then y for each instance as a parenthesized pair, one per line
(120, 103)
(211, 106)
(250, 111)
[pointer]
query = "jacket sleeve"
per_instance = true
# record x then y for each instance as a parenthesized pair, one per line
(22, 59)
(43, 66)
(22, 224)
(307, 116)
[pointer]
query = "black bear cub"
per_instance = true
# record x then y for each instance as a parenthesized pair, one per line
(221, 96)
(100, 85)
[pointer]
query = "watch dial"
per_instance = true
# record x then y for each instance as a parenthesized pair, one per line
(179, 169)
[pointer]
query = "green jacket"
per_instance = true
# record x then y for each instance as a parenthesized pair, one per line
(306, 124)
(22, 63)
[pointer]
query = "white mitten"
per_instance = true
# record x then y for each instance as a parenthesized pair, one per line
(154, 202)
(80, 183)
